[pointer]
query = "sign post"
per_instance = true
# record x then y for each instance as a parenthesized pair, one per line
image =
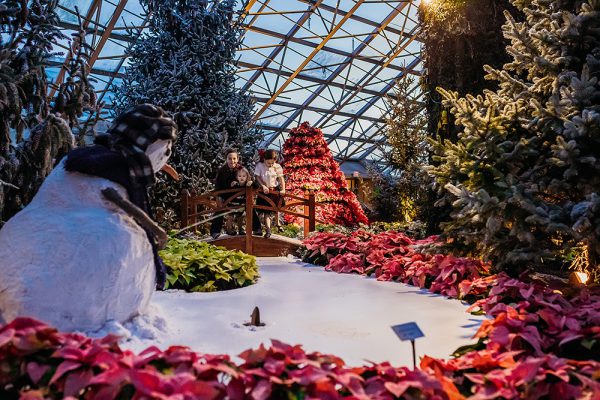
(409, 331)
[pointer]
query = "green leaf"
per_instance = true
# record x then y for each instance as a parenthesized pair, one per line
(200, 267)
(588, 343)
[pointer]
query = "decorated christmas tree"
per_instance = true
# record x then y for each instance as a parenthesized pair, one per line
(186, 65)
(308, 164)
(524, 177)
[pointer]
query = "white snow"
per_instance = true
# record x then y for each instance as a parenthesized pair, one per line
(148, 326)
(72, 259)
(346, 315)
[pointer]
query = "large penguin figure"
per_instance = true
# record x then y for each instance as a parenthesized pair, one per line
(84, 251)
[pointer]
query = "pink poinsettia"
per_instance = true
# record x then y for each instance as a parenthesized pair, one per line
(346, 263)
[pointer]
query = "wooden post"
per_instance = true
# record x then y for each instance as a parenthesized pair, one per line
(249, 213)
(184, 209)
(306, 213)
(312, 216)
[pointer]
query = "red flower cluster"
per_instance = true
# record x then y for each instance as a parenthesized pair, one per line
(37, 362)
(537, 344)
(393, 256)
(489, 374)
(308, 164)
(537, 320)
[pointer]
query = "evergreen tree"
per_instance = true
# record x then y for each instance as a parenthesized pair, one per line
(309, 164)
(186, 65)
(409, 151)
(385, 199)
(524, 176)
(35, 130)
(459, 37)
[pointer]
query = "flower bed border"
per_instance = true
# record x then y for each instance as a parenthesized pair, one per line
(512, 358)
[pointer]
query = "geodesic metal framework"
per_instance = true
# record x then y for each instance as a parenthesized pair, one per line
(329, 62)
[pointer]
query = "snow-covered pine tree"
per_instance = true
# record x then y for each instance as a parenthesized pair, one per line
(36, 130)
(309, 164)
(525, 174)
(186, 65)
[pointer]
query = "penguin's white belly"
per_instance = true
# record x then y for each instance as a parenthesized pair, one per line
(73, 259)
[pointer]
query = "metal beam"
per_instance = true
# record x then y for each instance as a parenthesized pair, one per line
(94, 71)
(366, 21)
(332, 50)
(311, 108)
(311, 79)
(105, 35)
(379, 129)
(364, 82)
(275, 52)
(128, 39)
(387, 87)
(279, 130)
(248, 7)
(369, 151)
(74, 47)
(116, 73)
(246, 11)
(371, 101)
(388, 19)
(112, 35)
(353, 117)
(372, 149)
(308, 59)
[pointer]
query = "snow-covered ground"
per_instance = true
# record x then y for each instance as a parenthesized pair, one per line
(345, 315)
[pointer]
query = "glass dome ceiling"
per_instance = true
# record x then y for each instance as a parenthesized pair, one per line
(329, 62)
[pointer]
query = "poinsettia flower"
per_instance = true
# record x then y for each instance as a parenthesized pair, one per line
(308, 163)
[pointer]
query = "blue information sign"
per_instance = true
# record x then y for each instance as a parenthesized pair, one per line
(408, 331)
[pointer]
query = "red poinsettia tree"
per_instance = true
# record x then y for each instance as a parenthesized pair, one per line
(309, 164)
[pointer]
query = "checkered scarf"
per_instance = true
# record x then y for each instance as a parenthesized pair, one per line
(133, 131)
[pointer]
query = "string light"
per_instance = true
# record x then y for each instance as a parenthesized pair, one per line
(579, 277)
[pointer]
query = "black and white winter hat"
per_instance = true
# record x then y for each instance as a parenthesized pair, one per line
(142, 125)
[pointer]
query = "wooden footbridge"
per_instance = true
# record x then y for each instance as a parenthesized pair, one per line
(195, 208)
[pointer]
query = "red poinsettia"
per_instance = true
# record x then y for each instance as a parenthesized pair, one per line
(38, 363)
(536, 344)
(537, 322)
(308, 163)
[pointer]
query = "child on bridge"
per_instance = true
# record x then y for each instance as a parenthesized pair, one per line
(269, 175)
(243, 179)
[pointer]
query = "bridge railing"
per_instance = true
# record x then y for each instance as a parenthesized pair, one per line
(195, 208)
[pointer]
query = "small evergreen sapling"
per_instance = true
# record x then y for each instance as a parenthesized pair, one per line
(409, 150)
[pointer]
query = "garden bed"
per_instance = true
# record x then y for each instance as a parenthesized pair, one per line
(538, 343)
